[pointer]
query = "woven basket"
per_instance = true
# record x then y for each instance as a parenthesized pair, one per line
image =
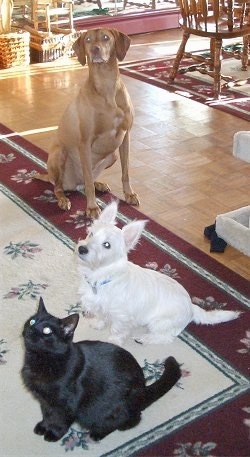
(49, 48)
(14, 49)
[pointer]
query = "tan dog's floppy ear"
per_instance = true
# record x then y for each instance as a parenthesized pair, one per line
(122, 43)
(79, 49)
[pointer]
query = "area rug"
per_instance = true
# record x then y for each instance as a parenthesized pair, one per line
(193, 85)
(207, 413)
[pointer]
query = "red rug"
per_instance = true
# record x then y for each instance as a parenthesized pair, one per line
(217, 426)
(194, 86)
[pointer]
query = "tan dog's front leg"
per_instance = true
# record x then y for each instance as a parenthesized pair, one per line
(130, 196)
(92, 209)
(55, 166)
(63, 202)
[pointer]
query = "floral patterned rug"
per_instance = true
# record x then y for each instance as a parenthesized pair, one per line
(193, 85)
(207, 413)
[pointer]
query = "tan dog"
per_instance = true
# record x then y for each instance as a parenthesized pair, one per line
(96, 123)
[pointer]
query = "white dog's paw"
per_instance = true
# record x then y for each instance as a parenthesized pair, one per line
(116, 339)
(141, 339)
(151, 338)
(98, 325)
(88, 315)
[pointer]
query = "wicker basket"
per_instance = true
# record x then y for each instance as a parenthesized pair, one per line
(49, 48)
(14, 49)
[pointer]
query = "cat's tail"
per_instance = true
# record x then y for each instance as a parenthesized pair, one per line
(168, 379)
(201, 316)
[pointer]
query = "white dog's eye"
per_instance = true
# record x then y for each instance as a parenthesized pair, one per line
(106, 244)
(90, 234)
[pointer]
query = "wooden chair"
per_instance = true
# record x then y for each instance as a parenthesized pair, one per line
(21, 7)
(217, 20)
(52, 13)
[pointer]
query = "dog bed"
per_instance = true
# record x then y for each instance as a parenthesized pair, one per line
(234, 228)
(241, 145)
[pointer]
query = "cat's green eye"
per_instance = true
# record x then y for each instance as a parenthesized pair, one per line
(47, 331)
(32, 321)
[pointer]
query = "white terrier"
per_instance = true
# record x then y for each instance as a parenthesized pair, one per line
(124, 295)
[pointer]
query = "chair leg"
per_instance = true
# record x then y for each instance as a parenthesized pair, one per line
(212, 51)
(217, 67)
(179, 56)
(48, 19)
(71, 19)
(244, 57)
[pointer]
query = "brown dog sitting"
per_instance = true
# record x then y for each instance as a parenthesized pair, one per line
(96, 123)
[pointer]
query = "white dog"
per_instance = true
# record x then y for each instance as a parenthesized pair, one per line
(124, 295)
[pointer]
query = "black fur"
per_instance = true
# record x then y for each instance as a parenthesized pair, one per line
(99, 385)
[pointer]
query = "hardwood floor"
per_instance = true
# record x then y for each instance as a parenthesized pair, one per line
(181, 152)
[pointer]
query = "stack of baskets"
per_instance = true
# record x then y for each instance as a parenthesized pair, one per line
(14, 49)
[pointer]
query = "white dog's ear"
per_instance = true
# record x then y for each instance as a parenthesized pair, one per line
(108, 215)
(132, 233)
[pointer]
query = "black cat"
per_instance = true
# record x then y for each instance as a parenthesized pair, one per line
(99, 385)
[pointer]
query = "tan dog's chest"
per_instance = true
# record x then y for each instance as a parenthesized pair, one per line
(109, 131)
(102, 136)
(103, 125)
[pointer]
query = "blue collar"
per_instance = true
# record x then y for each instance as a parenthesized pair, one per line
(97, 284)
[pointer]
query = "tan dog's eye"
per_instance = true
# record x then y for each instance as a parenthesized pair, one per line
(88, 39)
(106, 37)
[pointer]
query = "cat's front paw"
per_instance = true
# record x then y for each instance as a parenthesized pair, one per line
(51, 436)
(98, 324)
(96, 436)
(39, 428)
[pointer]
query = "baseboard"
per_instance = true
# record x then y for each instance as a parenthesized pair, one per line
(134, 23)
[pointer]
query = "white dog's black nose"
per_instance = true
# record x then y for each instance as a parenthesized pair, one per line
(83, 250)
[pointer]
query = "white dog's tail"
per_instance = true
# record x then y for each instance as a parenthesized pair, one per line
(200, 316)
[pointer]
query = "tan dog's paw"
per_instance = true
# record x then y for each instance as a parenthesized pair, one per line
(41, 176)
(64, 203)
(102, 187)
(93, 213)
(36, 175)
(132, 199)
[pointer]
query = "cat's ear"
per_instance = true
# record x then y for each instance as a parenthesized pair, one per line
(108, 215)
(69, 324)
(41, 307)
